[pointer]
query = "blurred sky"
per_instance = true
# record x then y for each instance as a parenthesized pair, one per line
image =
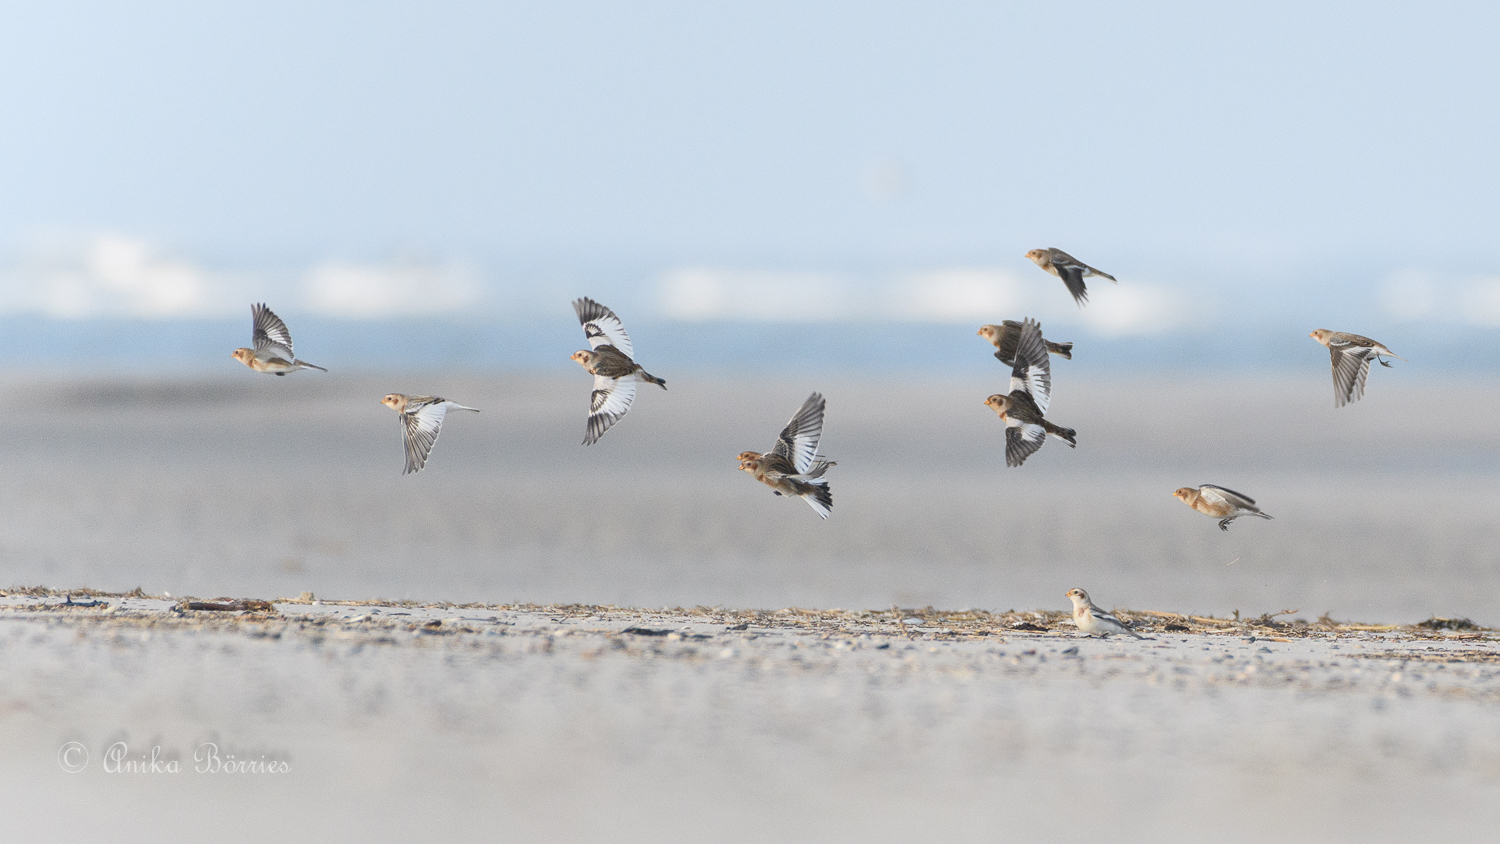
(1315, 164)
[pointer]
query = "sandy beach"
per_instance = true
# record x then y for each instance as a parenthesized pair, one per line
(471, 670)
(577, 723)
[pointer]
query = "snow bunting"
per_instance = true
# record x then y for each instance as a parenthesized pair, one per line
(1094, 620)
(273, 345)
(792, 466)
(1071, 270)
(1030, 393)
(1351, 362)
(1005, 335)
(614, 372)
(423, 417)
(1226, 505)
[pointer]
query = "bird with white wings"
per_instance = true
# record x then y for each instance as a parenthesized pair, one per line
(1351, 355)
(1094, 620)
(1005, 336)
(792, 466)
(1224, 504)
(422, 417)
(1071, 270)
(609, 361)
(272, 343)
(1023, 409)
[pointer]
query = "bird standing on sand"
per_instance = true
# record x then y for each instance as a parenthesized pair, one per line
(1351, 355)
(1226, 505)
(1071, 270)
(1030, 393)
(1096, 621)
(792, 466)
(610, 363)
(1005, 336)
(422, 417)
(273, 345)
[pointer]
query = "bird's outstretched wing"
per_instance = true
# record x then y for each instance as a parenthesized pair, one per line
(1032, 371)
(1021, 441)
(269, 334)
(1223, 495)
(1072, 278)
(1351, 366)
(422, 425)
(609, 403)
(602, 327)
(798, 442)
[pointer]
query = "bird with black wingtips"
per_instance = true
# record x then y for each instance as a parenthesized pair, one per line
(1351, 354)
(422, 419)
(1005, 336)
(792, 466)
(272, 345)
(1071, 270)
(1094, 620)
(1222, 503)
(1024, 409)
(609, 361)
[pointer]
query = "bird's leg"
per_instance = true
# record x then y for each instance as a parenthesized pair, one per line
(1382, 362)
(1224, 524)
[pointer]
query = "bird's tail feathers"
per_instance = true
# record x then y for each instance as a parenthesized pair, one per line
(646, 376)
(305, 365)
(453, 405)
(819, 497)
(1264, 515)
(1062, 350)
(1104, 275)
(1067, 435)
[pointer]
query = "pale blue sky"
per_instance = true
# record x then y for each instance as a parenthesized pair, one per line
(1273, 146)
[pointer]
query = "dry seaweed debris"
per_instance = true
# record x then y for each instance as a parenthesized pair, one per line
(1436, 623)
(912, 623)
(227, 605)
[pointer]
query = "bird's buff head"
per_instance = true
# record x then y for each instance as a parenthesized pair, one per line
(1079, 597)
(997, 403)
(989, 332)
(1187, 494)
(243, 355)
(1039, 256)
(1321, 335)
(395, 401)
(584, 359)
(749, 461)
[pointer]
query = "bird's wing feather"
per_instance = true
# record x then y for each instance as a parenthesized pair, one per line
(1072, 277)
(609, 403)
(1021, 441)
(1351, 366)
(422, 426)
(270, 334)
(1224, 495)
(1033, 370)
(602, 327)
(799, 439)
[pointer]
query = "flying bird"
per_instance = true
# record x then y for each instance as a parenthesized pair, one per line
(1005, 336)
(792, 466)
(1024, 408)
(610, 363)
(1071, 270)
(1351, 355)
(1094, 620)
(422, 417)
(1226, 505)
(273, 345)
